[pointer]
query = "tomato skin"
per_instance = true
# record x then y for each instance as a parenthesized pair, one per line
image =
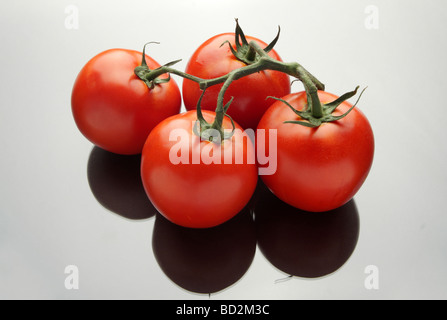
(113, 108)
(196, 195)
(318, 169)
(211, 60)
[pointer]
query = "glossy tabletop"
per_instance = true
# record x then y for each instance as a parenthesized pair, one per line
(75, 222)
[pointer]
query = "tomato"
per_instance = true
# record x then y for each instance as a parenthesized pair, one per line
(211, 60)
(322, 168)
(113, 108)
(186, 186)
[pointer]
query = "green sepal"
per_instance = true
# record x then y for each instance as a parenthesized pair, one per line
(302, 114)
(206, 130)
(228, 135)
(303, 123)
(327, 109)
(350, 95)
(334, 104)
(244, 51)
(273, 43)
(146, 75)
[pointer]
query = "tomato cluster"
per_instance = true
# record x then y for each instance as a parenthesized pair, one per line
(200, 168)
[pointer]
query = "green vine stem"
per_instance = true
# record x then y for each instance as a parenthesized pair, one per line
(316, 112)
(265, 62)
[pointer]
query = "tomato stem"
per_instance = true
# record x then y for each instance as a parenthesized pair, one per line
(264, 62)
(257, 60)
(311, 84)
(151, 77)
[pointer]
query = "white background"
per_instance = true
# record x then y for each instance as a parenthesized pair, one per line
(49, 218)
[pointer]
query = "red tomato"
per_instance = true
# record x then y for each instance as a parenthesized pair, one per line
(187, 188)
(113, 108)
(211, 60)
(322, 168)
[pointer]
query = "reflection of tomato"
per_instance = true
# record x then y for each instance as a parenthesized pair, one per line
(205, 260)
(113, 108)
(197, 194)
(302, 244)
(318, 169)
(115, 181)
(211, 60)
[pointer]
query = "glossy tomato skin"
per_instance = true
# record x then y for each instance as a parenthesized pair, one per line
(113, 108)
(211, 60)
(192, 193)
(318, 169)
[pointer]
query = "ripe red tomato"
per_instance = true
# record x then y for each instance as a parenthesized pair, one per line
(211, 60)
(184, 185)
(322, 168)
(113, 108)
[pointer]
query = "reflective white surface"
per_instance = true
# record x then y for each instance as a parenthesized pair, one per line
(59, 205)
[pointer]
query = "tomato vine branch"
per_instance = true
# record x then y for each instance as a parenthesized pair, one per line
(258, 61)
(265, 62)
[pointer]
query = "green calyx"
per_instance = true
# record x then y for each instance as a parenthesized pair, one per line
(213, 132)
(315, 113)
(244, 51)
(147, 75)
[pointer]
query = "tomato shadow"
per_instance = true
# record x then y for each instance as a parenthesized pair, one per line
(115, 182)
(304, 244)
(205, 261)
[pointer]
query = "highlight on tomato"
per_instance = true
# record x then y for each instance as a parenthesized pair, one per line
(227, 52)
(114, 107)
(325, 150)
